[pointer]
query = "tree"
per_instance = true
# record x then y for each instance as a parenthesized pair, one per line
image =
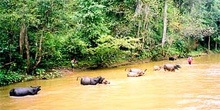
(164, 24)
(211, 15)
(29, 23)
(142, 15)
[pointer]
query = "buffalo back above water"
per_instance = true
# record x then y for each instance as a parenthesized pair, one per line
(135, 74)
(23, 91)
(157, 68)
(93, 80)
(172, 58)
(171, 67)
(136, 70)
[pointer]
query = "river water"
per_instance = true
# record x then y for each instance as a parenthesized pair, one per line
(193, 87)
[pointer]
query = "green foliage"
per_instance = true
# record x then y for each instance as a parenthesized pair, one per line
(108, 51)
(75, 46)
(42, 74)
(90, 16)
(181, 48)
(99, 33)
(9, 78)
(195, 53)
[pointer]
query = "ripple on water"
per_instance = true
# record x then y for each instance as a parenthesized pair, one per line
(191, 102)
(193, 87)
(213, 72)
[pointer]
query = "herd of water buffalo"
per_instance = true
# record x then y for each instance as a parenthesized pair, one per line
(132, 72)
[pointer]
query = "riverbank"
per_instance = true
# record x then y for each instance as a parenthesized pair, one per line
(68, 70)
(41, 74)
(192, 54)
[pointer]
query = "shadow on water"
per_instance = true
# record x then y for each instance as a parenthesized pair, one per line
(192, 87)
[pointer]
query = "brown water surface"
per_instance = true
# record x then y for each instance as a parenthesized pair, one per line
(193, 87)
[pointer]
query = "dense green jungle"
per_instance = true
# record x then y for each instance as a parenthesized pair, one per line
(39, 36)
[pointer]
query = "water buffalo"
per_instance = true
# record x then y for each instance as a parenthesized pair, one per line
(93, 81)
(24, 91)
(157, 68)
(172, 58)
(171, 67)
(135, 74)
(136, 70)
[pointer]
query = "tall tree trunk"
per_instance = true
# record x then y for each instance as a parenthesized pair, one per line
(39, 55)
(27, 50)
(139, 28)
(39, 50)
(189, 44)
(136, 14)
(164, 25)
(146, 12)
(216, 45)
(9, 58)
(209, 40)
(21, 39)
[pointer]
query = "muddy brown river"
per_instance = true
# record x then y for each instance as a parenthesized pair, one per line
(193, 87)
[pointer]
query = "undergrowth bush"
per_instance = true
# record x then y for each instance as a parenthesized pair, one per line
(42, 74)
(9, 78)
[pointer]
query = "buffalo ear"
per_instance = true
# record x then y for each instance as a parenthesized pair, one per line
(178, 66)
(39, 87)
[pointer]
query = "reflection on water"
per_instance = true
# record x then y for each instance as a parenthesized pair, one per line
(193, 87)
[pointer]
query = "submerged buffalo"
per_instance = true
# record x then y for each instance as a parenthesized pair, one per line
(171, 67)
(93, 81)
(24, 91)
(172, 58)
(157, 68)
(136, 70)
(135, 74)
